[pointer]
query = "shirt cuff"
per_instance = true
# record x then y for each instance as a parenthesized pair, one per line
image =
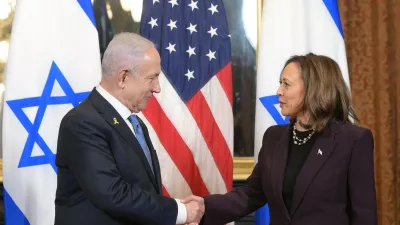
(182, 214)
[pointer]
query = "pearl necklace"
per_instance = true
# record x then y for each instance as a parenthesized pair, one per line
(301, 141)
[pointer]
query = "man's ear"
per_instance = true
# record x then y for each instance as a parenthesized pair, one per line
(121, 77)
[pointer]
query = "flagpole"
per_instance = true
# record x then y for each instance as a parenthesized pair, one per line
(262, 214)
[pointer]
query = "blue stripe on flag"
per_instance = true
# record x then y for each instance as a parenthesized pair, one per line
(42, 102)
(86, 5)
(269, 103)
(333, 9)
(262, 216)
(12, 214)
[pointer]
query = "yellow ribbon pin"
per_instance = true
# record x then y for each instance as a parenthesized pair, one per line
(116, 121)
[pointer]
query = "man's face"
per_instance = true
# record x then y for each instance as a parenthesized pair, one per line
(140, 88)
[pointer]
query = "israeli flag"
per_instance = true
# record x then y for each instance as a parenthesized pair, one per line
(292, 27)
(53, 64)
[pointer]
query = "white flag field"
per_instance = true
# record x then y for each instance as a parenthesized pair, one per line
(54, 62)
(292, 27)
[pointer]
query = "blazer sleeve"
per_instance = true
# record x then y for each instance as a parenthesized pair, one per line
(222, 209)
(91, 161)
(361, 182)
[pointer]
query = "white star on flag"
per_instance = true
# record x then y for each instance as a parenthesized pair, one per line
(171, 48)
(173, 3)
(212, 31)
(211, 54)
(154, 1)
(153, 22)
(189, 74)
(172, 24)
(192, 28)
(193, 5)
(213, 9)
(191, 51)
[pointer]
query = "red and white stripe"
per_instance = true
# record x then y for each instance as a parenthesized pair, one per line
(194, 141)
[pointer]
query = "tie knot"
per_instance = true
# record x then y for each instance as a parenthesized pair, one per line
(133, 118)
(135, 122)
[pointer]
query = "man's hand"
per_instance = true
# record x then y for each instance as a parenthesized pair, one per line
(195, 209)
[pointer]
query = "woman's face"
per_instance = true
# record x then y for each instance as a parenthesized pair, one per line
(291, 91)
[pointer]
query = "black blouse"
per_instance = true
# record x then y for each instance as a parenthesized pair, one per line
(296, 158)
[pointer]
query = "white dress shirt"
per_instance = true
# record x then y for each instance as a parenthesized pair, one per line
(125, 113)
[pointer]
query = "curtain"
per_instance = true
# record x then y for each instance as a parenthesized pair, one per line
(372, 36)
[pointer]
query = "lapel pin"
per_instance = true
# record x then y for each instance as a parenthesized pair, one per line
(319, 152)
(116, 121)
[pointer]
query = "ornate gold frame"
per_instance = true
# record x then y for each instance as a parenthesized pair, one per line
(243, 166)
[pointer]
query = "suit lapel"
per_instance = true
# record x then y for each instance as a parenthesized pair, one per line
(157, 170)
(112, 117)
(280, 154)
(320, 152)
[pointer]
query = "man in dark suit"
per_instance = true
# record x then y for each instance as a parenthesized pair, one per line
(108, 171)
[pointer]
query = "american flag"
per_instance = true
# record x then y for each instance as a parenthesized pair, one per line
(191, 120)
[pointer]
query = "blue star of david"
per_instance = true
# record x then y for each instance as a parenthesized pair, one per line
(42, 102)
(269, 102)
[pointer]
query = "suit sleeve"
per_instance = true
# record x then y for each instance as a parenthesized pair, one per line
(222, 209)
(91, 161)
(361, 182)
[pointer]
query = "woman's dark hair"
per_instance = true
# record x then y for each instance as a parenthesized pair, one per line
(326, 93)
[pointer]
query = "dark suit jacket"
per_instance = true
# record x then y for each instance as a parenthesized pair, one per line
(103, 175)
(335, 188)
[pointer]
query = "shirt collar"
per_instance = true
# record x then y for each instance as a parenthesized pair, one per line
(122, 110)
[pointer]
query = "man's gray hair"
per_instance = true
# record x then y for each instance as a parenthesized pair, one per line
(126, 50)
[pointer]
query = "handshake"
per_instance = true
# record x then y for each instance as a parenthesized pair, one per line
(195, 209)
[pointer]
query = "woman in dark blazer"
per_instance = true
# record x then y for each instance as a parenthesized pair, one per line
(317, 170)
